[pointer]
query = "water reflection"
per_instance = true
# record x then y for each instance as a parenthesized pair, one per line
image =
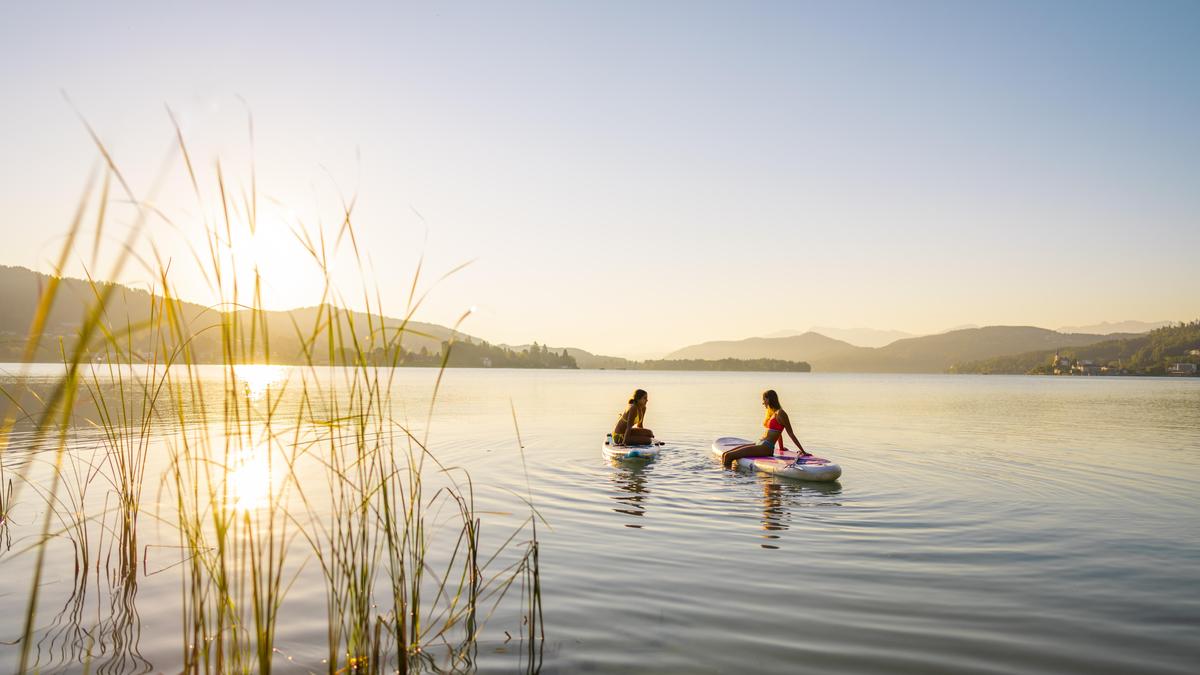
(249, 480)
(5, 503)
(109, 639)
(774, 513)
(630, 479)
(781, 495)
(257, 379)
(932, 500)
(124, 630)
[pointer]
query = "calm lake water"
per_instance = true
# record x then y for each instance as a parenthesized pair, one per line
(982, 524)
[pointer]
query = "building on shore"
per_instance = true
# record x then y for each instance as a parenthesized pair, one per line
(1182, 369)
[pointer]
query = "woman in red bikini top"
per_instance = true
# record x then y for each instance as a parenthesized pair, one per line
(776, 422)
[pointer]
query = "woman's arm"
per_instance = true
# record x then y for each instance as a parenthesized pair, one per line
(787, 424)
(622, 426)
(630, 416)
(641, 417)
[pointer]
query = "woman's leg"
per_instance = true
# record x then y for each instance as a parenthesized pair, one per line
(638, 436)
(619, 432)
(749, 450)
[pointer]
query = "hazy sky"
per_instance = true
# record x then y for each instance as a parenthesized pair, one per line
(634, 177)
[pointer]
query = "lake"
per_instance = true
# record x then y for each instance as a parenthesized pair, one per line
(983, 524)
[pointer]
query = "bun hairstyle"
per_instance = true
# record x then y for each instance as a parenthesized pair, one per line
(771, 399)
(637, 394)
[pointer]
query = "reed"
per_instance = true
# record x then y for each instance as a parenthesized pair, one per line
(347, 487)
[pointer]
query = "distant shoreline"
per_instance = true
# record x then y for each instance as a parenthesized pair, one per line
(16, 365)
(11, 369)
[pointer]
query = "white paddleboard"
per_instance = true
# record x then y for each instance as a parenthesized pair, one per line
(781, 464)
(612, 451)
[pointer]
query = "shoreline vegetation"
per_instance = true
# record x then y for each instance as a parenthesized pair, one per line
(1154, 354)
(321, 472)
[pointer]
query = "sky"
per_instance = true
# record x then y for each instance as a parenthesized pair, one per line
(633, 177)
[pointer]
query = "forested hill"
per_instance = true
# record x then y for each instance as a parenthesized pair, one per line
(289, 331)
(484, 355)
(1149, 354)
(307, 335)
(588, 360)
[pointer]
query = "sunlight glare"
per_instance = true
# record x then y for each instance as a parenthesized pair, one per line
(249, 481)
(257, 378)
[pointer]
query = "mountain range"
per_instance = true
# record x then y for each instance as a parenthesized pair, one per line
(926, 354)
(20, 289)
(873, 337)
(1117, 327)
(859, 336)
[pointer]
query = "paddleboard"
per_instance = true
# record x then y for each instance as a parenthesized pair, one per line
(781, 464)
(613, 451)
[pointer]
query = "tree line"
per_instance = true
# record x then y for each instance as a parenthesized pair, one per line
(745, 365)
(1149, 354)
(466, 354)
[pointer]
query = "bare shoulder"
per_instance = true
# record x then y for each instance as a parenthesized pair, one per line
(781, 415)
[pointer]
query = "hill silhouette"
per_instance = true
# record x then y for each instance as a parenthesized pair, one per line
(300, 335)
(926, 354)
(1146, 354)
(21, 288)
(811, 347)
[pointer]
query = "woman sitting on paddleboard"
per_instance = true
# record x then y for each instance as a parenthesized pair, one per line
(776, 423)
(629, 429)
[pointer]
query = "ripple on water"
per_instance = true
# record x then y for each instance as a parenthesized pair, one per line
(989, 525)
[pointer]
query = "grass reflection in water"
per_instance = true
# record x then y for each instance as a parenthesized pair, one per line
(265, 474)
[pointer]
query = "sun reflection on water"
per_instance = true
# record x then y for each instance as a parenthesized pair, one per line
(257, 378)
(249, 481)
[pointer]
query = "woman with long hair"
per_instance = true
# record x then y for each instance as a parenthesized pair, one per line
(629, 429)
(776, 422)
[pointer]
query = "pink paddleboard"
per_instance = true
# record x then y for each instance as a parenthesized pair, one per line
(782, 464)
